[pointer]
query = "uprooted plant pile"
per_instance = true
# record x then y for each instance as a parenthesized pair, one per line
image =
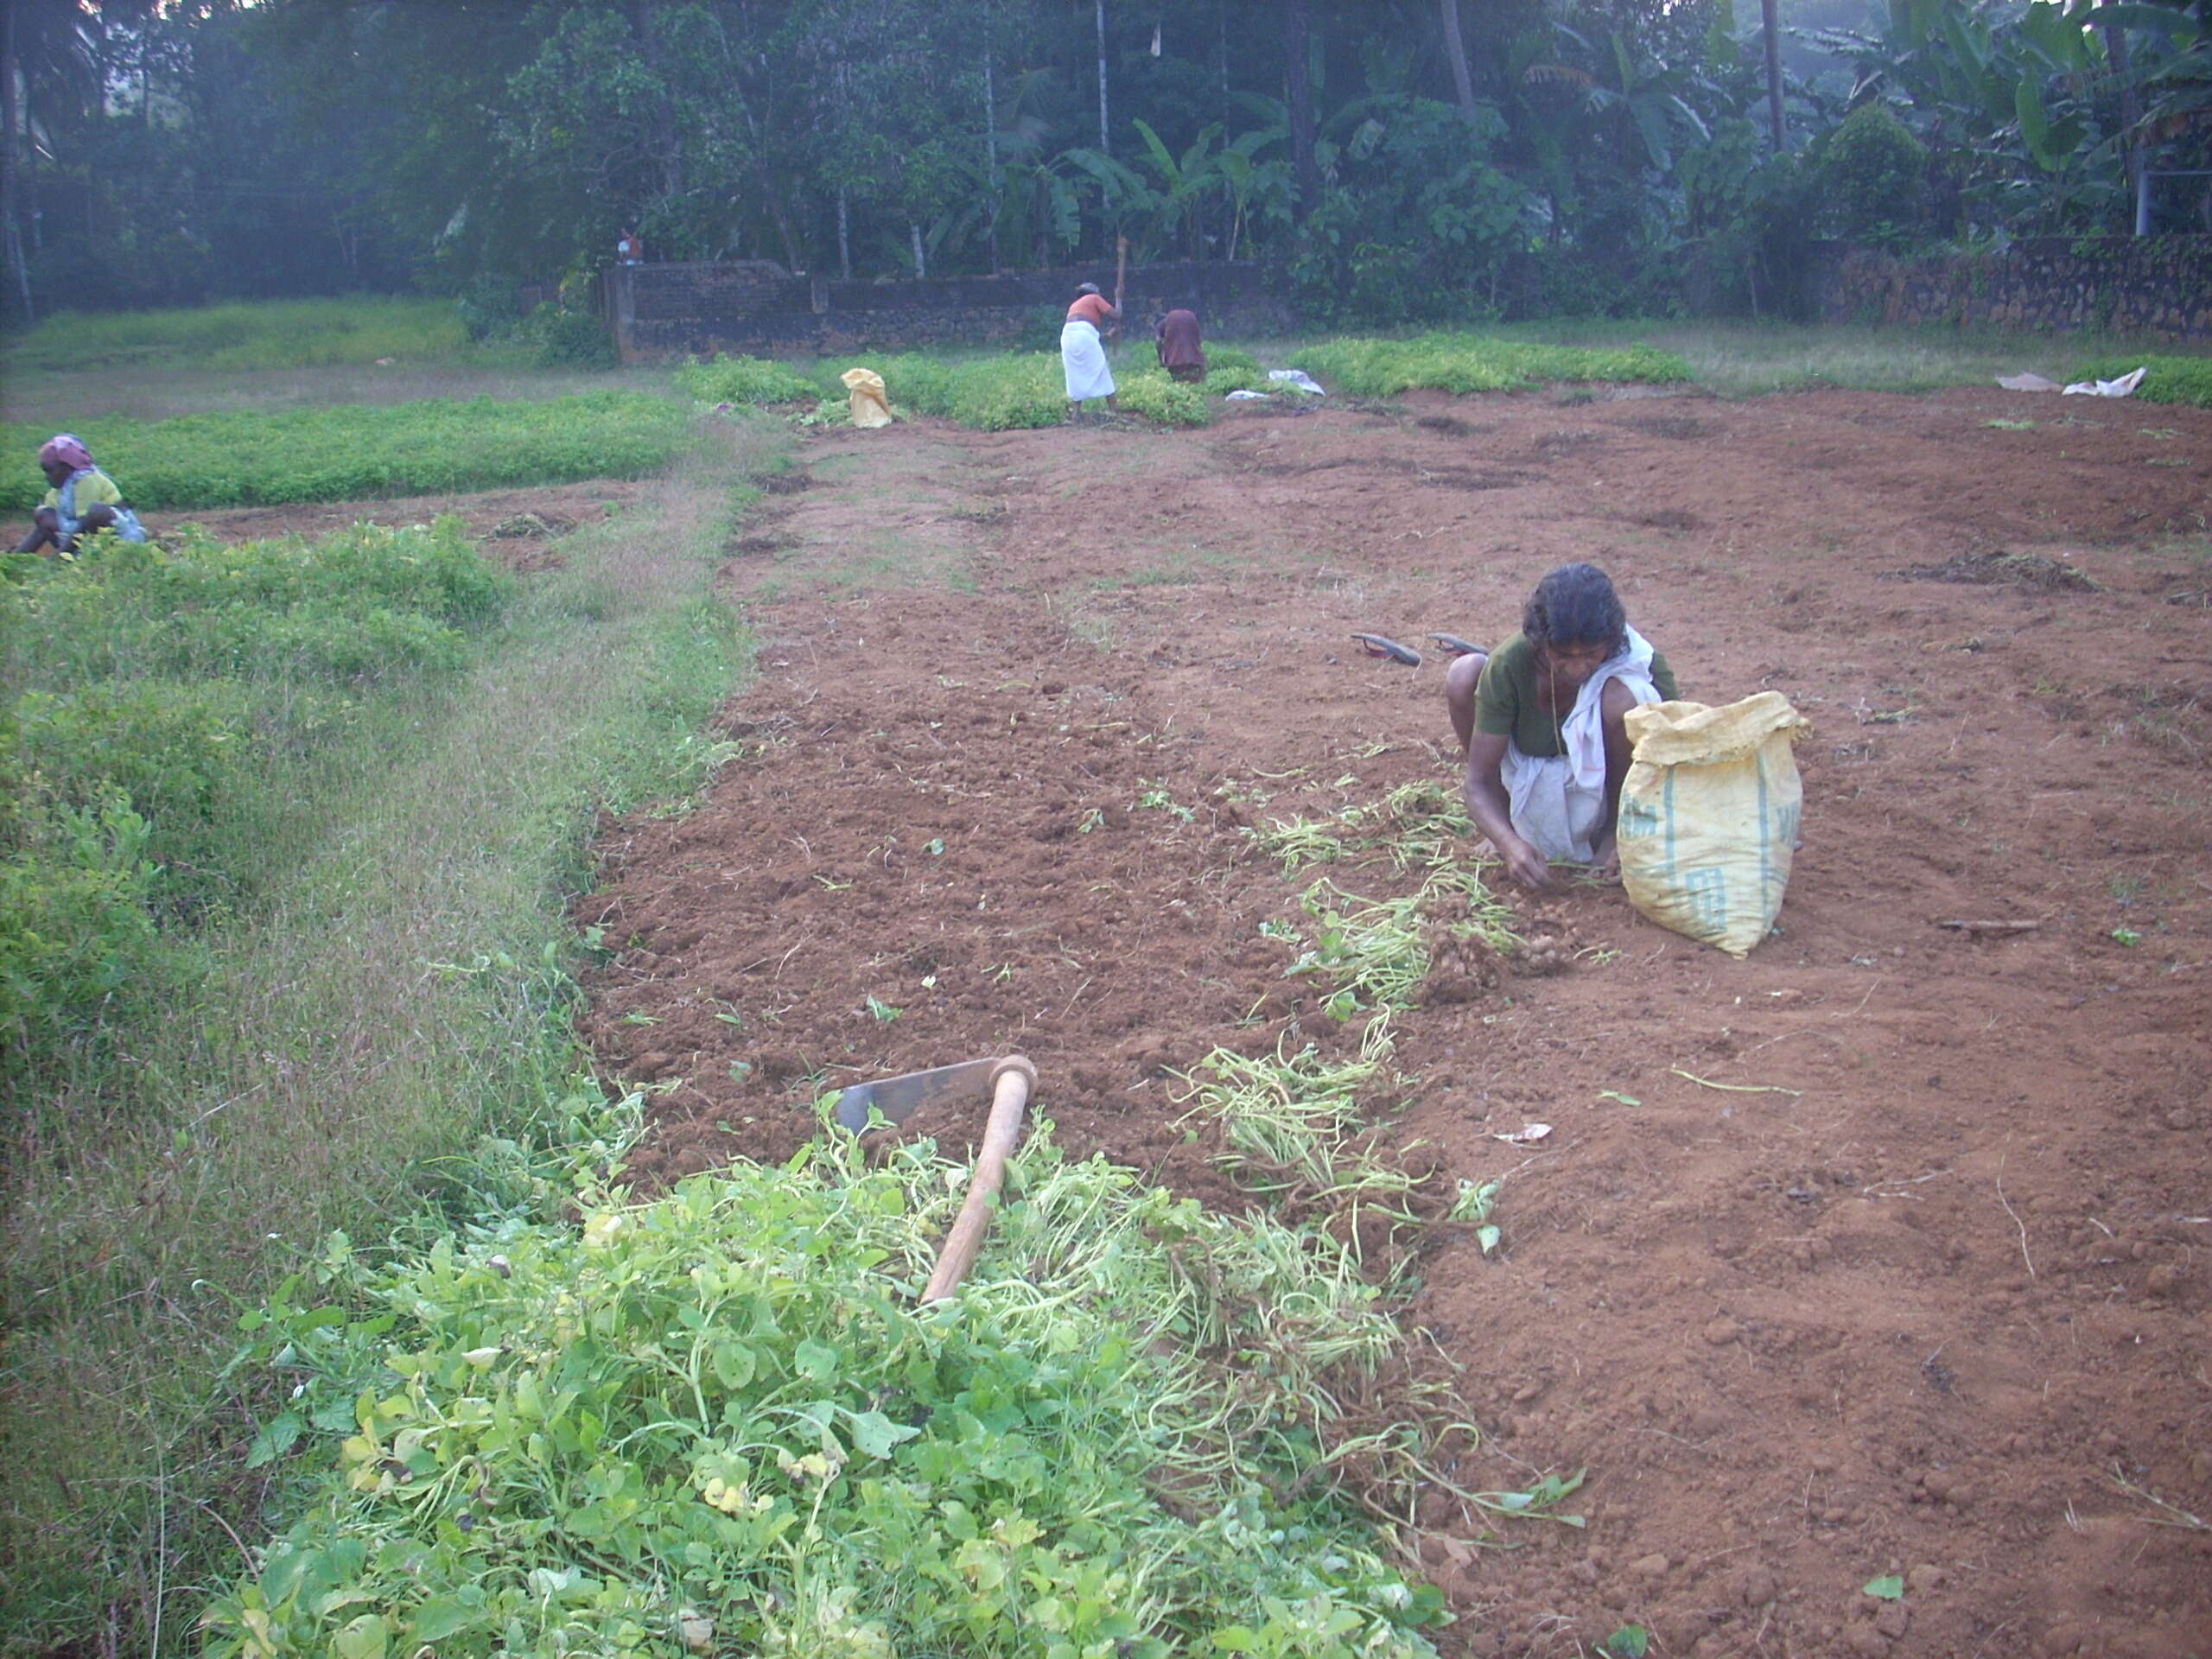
(718, 1421)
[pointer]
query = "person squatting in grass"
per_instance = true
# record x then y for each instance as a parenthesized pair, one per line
(80, 500)
(1542, 722)
(1175, 336)
(1083, 358)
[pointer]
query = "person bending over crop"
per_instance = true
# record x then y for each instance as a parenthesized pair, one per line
(1083, 358)
(1175, 337)
(80, 500)
(1542, 722)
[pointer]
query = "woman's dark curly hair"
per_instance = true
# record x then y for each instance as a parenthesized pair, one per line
(1575, 605)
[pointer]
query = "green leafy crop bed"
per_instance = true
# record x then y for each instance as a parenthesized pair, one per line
(992, 394)
(1467, 362)
(718, 1422)
(246, 458)
(150, 700)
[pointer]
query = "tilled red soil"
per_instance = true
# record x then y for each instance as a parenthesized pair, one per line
(1936, 1310)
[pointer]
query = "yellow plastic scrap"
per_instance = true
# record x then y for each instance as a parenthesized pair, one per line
(870, 407)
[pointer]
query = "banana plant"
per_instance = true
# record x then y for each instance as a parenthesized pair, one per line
(1185, 186)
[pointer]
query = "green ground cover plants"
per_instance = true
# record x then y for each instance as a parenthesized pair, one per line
(262, 334)
(1002, 391)
(718, 1421)
(383, 989)
(761, 380)
(1370, 367)
(991, 391)
(159, 709)
(246, 458)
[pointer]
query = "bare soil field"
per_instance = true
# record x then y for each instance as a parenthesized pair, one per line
(1887, 1250)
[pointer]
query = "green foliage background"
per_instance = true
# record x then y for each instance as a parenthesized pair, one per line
(1565, 156)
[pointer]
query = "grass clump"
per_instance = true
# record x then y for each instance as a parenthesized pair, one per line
(248, 458)
(1365, 367)
(2170, 380)
(746, 380)
(260, 334)
(717, 1422)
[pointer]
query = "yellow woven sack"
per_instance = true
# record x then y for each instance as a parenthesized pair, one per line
(869, 403)
(1709, 816)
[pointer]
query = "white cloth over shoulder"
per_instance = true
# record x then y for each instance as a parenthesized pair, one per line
(1083, 360)
(1557, 801)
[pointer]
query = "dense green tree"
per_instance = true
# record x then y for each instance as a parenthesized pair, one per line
(1395, 158)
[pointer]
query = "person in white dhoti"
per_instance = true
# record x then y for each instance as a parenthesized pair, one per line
(1083, 355)
(1542, 720)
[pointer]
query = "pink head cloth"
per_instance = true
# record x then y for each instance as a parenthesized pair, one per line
(68, 449)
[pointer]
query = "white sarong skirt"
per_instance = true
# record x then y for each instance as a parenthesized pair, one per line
(1083, 360)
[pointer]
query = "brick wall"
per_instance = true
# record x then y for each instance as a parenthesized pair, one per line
(756, 308)
(2156, 285)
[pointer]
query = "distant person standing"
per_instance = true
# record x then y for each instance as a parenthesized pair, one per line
(1180, 353)
(80, 500)
(1082, 356)
(630, 248)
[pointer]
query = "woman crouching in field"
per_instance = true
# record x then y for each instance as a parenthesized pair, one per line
(1542, 721)
(80, 500)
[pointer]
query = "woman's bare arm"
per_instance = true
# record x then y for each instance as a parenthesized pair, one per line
(1491, 808)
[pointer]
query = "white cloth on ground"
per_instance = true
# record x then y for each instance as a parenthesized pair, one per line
(1083, 360)
(1557, 801)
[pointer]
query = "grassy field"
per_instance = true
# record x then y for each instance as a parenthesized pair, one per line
(299, 354)
(266, 334)
(391, 991)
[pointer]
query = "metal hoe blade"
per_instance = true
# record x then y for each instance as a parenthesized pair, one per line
(898, 1099)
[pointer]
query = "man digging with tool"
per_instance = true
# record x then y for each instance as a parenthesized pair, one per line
(1542, 721)
(1083, 355)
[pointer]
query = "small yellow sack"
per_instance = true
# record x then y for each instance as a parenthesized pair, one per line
(1708, 817)
(870, 408)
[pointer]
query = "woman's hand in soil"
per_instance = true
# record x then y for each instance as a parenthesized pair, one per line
(1527, 866)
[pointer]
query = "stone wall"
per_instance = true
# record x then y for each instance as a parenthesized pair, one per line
(2156, 285)
(756, 308)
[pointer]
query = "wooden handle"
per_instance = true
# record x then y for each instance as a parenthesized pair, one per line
(1010, 1087)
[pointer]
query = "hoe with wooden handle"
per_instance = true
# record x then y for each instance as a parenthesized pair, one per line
(1010, 1081)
